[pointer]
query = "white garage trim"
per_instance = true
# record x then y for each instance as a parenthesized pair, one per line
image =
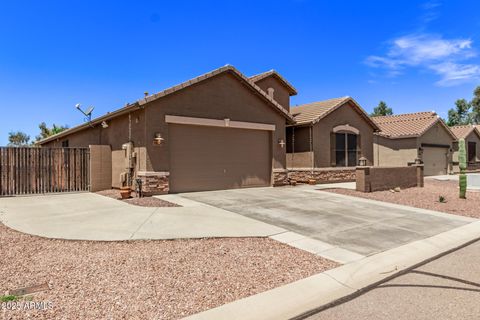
(225, 123)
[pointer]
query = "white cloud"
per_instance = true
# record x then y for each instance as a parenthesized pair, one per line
(454, 73)
(443, 56)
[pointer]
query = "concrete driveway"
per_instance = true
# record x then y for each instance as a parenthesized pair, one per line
(359, 227)
(88, 216)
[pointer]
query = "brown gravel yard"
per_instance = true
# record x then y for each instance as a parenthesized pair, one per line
(427, 198)
(145, 279)
(142, 202)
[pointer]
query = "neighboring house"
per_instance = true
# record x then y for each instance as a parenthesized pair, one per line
(220, 130)
(330, 133)
(471, 134)
(406, 137)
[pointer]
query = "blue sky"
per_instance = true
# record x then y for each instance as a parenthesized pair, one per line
(416, 56)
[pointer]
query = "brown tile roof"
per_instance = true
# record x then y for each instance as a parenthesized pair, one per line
(408, 125)
(275, 74)
(315, 111)
(464, 131)
(139, 103)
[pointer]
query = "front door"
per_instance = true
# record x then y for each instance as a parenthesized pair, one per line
(472, 151)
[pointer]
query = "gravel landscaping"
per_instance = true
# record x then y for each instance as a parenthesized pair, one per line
(145, 279)
(426, 197)
(143, 202)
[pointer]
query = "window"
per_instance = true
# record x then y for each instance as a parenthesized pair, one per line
(346, 149)
(472, 152)
(65, 144)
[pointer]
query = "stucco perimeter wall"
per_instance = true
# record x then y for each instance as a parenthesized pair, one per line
(322, 175)
(342, 116)
(299, 159)
(394, 152)
(100, 167)
(370, 179)
(220, 97)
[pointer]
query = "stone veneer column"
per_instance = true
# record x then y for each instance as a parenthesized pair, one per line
(280, 177)
(154, 183)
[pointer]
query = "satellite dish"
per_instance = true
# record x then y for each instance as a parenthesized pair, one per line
(77, 106)
(89, 111)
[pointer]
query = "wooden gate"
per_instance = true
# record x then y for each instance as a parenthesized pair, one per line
(31, 170)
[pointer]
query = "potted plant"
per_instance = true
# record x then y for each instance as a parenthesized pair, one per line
(125, 192)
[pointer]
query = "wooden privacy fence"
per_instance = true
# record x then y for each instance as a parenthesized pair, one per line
(31, 170)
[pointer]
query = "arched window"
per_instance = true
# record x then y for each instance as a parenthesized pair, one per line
(345, 146)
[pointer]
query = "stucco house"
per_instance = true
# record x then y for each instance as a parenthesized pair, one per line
(220, 130)
(406, 137)
(471, 134)
(330, 133)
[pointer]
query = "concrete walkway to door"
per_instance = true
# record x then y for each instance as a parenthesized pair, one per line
(88, 216)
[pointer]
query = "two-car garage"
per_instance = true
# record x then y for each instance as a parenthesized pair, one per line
(208, 154)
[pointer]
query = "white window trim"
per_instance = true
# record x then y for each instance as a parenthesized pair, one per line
(346, 128)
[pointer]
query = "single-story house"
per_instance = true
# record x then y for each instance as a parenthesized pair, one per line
(330, 133)
(220, 130)
(406, 137)
(471, 134)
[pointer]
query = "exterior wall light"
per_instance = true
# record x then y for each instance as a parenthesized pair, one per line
(281, 143)
(362, 162)
(158, 139)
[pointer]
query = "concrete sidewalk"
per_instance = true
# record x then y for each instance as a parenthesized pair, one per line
(88, 216)
(447, 288)
(303, 297)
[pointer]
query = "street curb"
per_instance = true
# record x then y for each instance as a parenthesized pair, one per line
(313, 294)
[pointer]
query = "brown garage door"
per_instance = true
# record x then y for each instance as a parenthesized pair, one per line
(435, 161)
(213, 158)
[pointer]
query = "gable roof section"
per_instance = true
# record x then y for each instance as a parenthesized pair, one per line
(464, 131)
(140, 103)
(409, 125)
(275, 74)
(312, 113)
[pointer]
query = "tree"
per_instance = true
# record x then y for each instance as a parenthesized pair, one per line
(382, 110)
(461, 115)
(476, 106)
(18, 139)
(46, 132)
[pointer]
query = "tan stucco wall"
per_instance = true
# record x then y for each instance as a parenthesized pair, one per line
(401, 152)
(100, 167)
(281, 94)
(343, 115)
(394, 152)
(222, 96)
(217, 98)
(437, 135)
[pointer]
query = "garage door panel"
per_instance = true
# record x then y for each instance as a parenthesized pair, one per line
(435, 161)
(211, 158)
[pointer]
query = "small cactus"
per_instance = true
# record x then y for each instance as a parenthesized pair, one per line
(462, 159)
